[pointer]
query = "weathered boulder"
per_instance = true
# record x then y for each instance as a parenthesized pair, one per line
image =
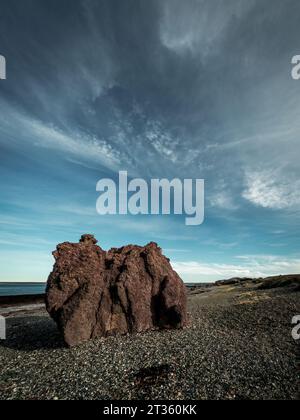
(92, 293)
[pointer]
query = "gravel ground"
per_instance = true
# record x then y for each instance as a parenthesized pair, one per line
(239, 346)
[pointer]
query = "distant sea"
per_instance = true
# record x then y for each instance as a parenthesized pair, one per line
(16, 289)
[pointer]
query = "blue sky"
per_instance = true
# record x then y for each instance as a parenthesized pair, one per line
(193, 89)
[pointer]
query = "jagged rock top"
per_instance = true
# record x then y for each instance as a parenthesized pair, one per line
(88, 239)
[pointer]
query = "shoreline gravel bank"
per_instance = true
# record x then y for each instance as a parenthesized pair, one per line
(239, 346)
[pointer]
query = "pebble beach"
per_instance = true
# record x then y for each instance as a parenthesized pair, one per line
(238, 346)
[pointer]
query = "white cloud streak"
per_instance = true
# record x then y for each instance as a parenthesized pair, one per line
(253, 266)
(269, 189)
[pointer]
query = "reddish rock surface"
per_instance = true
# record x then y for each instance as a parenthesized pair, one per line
(92, 293)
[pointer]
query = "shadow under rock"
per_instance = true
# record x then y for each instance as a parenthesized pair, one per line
(32, 333)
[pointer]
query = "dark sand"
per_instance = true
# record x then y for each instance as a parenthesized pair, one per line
(239, 346)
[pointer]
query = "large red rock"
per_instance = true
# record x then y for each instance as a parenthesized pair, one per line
(92, 293)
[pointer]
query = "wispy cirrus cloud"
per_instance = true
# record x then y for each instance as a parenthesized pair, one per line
(170, 89)
(74, 143)
(197, 26)
(272, 189)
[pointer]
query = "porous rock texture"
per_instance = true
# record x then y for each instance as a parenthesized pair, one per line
(92, 293)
